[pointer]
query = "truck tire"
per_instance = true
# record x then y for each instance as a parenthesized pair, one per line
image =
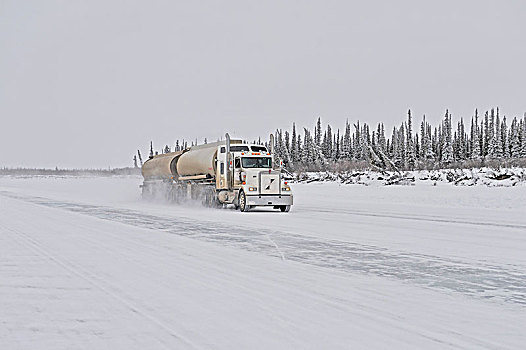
(243, 202)
(284, 208)
(210, 198)
(171, 195)
(147, 192)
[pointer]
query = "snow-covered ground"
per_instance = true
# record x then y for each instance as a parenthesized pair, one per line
(504, 177)
(85, 264)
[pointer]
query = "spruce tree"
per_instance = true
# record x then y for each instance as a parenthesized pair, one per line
(498, 151)
(492, 143)
(402, 144)
(337, 146)
(366, 142)
(393, 152)
(515, 144)
(504, 138)
(357, 142)
(426, 142)
(286, 141)
(431, 153)
(324, 144)
(417, 146)
(328, 146)
(381, 137)
(475, 138)
(347, 141)
(461, 144)
(299, 151)
(481, 139)
(423, 144)
(317, 132)
(294, 145)
(140, 157)
(308, 149)
(487, 136)
(410, 146)
(447, 147)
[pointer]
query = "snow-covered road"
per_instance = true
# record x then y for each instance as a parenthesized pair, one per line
(85, 264)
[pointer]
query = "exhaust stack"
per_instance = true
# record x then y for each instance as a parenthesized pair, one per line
(228, 161)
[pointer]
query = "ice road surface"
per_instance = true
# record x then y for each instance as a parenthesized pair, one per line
(85, 264)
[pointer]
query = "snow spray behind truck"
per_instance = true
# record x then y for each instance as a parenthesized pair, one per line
(225, 172)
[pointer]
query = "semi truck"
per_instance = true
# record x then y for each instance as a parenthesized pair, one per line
(220, 173)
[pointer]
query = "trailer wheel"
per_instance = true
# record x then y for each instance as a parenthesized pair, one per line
(284, 208)
(146, 192)
(210, 199)
(243, 202)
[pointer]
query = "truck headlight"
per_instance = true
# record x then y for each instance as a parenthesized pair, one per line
(285, 188)
(252, 188)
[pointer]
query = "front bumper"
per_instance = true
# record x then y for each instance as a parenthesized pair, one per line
(269, 200)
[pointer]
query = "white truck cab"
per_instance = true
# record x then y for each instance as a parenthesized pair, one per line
(254, 180)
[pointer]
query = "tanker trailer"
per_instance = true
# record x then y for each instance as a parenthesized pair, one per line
(158, 173)
(220, 173)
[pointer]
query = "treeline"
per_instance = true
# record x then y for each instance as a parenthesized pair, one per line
(488, 140)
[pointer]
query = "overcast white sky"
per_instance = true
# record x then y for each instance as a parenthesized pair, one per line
(85, 83)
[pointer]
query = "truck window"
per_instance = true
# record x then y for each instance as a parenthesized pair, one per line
(256, 162)
(222, 166)
(258, 148)
(237, 163)
(223, 150)
(238, 148)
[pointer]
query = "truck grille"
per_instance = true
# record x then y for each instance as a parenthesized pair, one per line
(269, 183)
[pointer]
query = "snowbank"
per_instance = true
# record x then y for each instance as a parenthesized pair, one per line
(458, 177)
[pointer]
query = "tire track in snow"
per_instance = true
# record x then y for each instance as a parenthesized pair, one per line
(481, 281)
(104, 286)
(426, 218)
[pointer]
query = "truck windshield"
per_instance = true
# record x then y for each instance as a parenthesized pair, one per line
(253, 162)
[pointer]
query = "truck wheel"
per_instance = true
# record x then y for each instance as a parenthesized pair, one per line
(284, 208)
(209, 198)
(146, 192)
(205, 200)
(171, 195)
(243, 202)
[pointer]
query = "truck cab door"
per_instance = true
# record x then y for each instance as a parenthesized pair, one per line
(237, 171)
(220, 169)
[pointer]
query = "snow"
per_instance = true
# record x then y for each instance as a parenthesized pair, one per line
(504, 177)
(84, 264)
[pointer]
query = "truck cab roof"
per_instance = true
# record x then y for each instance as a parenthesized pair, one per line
(245, 148)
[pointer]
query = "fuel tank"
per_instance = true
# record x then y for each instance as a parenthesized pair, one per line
(198, 160)
(162, 166)
(201, 159)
